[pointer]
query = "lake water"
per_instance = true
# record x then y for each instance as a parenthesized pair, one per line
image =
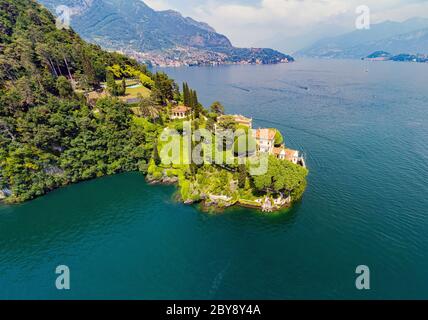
(364, 129)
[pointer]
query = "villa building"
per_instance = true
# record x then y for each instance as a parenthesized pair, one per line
(265, 139)
(292, 156)
(283, 153)
(279, 152)
(180, 112)
(244, 121)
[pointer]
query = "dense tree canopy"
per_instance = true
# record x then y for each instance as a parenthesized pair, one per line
(228, 123)
(217, 108)
(49, 136)
(164, 88)
(279, 140)
(281, 176)
(52, 134)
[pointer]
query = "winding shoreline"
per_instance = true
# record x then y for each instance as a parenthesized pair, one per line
(209, 204)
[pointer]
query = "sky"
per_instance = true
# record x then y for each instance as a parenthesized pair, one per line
(288, 25)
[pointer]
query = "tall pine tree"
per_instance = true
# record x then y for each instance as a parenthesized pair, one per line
(186, 95)
(111, 83)
(88, 68)
(191, 100)
(196, 107)
(195, 99)
(122, 89)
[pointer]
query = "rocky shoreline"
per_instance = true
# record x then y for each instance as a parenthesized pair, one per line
(218, 203)
(164, 180)
(4, 193)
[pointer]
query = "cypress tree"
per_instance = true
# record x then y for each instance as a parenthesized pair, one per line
(64, 87)
(196, 106)
(184, 93)
(123, 87)
(195, 99)
(191, 105)
(111, 83)
(88, 68)
(186, 98)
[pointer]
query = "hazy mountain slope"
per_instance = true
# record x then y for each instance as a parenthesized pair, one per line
(412, 42)
(394, 37)
(133, 27)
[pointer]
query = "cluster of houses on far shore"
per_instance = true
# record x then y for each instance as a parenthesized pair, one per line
(265, 138)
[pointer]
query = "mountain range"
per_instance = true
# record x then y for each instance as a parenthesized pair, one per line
(158, 37)
(410, 36)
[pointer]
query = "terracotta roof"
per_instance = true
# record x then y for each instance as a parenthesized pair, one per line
(181, 109)
(277, 151)
(290, 154)
(265, 134)
(242, 119)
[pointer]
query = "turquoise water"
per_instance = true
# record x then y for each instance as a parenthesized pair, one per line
(364, 135)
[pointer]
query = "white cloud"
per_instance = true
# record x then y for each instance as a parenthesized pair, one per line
(401, 13)
(280, 23)
(158, 4)
(251, 25)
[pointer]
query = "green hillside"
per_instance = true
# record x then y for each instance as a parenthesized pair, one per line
(70, 111)
(50, 136)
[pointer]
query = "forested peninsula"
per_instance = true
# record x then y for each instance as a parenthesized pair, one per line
(70, 112)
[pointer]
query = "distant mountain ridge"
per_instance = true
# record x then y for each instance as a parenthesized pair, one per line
(394, 37)
(162, 37)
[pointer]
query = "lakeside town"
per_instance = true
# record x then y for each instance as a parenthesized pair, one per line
(189, 57)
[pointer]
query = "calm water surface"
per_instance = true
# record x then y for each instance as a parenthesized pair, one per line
(364, 130)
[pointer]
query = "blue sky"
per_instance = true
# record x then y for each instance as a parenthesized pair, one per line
(288, 24)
